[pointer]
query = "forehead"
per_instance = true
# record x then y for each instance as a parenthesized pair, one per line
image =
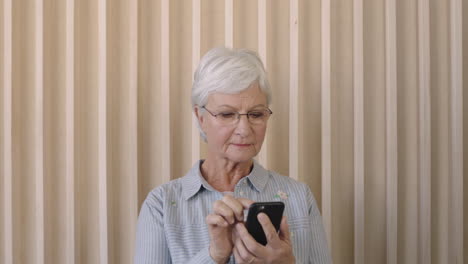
(251, 96)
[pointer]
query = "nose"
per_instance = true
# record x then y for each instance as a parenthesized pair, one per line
(243, 127)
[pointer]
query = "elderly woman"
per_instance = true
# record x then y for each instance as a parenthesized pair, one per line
(199, 218)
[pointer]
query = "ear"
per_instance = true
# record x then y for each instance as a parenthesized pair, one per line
(198, 115)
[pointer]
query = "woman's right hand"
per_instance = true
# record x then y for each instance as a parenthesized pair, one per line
(226, 213)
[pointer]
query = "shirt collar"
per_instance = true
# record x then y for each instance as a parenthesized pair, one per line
(193, 182)
(258, 176)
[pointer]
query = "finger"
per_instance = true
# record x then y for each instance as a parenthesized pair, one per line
(246, 203)
(220, 208)
(216, 220)
(284, 229)
(237, 257)
(242, 250)
(250, 243)
(235, 206)
(270, 231)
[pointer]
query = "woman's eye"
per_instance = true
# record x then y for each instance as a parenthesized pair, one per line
(256, 114)
(227, 115)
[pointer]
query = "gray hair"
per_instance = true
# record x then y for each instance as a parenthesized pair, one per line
(228, 71)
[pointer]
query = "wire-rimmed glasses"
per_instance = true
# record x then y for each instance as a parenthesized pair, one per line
(255, 117)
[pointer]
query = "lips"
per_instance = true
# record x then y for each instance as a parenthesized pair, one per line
(241, 145)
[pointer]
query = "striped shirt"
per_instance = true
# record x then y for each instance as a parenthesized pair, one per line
(172, 229)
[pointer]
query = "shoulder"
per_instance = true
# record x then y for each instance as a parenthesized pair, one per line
(295, 191)
(157, 197)
(173, 187)
(288, 183)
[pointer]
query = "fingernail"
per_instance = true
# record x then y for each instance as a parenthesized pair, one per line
(261, 217)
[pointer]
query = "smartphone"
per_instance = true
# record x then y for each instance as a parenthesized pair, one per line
(274, 210)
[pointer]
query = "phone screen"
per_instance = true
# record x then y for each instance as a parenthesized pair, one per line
(274, 210)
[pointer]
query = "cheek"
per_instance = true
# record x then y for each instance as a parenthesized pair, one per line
(219, 136)
(260, 133)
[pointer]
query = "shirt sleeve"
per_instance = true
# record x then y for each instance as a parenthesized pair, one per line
(151, 245)
(203, 256)
(320, 253)
(151, 242)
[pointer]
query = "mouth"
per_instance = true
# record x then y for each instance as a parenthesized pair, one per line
(241, 145)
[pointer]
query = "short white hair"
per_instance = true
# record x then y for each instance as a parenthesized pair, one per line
(229, 71)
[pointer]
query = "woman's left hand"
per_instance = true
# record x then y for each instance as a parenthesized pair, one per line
(277, 250)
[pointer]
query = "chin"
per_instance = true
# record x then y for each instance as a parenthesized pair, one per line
(240, 158)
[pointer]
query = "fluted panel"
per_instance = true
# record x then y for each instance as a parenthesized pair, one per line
(69, 133)
(88, 153)
(408, 115)
(59, 132)
(102, 128)
(148, 98)
(229, 23)
(6, 199)
(196, 47)
(391, 130)
(165, 90)
(358, 107)
(341, 128)
(424, 177)
(262, 52)
(456, 134)
(121, 107)
(294, 88)
(326, 120)
(369, 110)
(27, 132)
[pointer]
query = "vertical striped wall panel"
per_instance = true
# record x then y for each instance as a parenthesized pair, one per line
(262, 52)
(69, 133)
(326, 123)
(456, 135)
(38, 130)
(6, 140)
(424, 177)
(102, 129)
(165, 90)
(294, 24)
(196, 47)
(358, 86)
(368, 101)
(229, 23)
(391, 130)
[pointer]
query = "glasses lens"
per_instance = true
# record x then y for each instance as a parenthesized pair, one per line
(232, 117)
(228, 117)
(258, 116)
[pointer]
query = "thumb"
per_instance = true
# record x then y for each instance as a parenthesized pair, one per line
(284, 229)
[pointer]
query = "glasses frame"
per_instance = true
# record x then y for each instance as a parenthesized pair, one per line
(239, 115)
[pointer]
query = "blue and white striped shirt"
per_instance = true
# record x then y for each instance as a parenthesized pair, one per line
(172, 229)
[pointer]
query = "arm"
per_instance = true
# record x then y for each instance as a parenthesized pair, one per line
(202, 257)
(151, 245)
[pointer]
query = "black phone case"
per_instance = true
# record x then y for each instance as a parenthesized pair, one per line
(274, 210)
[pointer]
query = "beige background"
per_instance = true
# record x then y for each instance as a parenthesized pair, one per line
(368, 103)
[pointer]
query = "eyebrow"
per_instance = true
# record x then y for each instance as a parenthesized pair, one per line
(255, 106)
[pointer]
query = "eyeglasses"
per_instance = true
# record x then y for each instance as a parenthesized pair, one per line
(255, 117)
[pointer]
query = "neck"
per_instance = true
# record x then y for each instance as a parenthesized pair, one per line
(223, 174)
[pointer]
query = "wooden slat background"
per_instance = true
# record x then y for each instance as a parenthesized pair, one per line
(369, 109)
